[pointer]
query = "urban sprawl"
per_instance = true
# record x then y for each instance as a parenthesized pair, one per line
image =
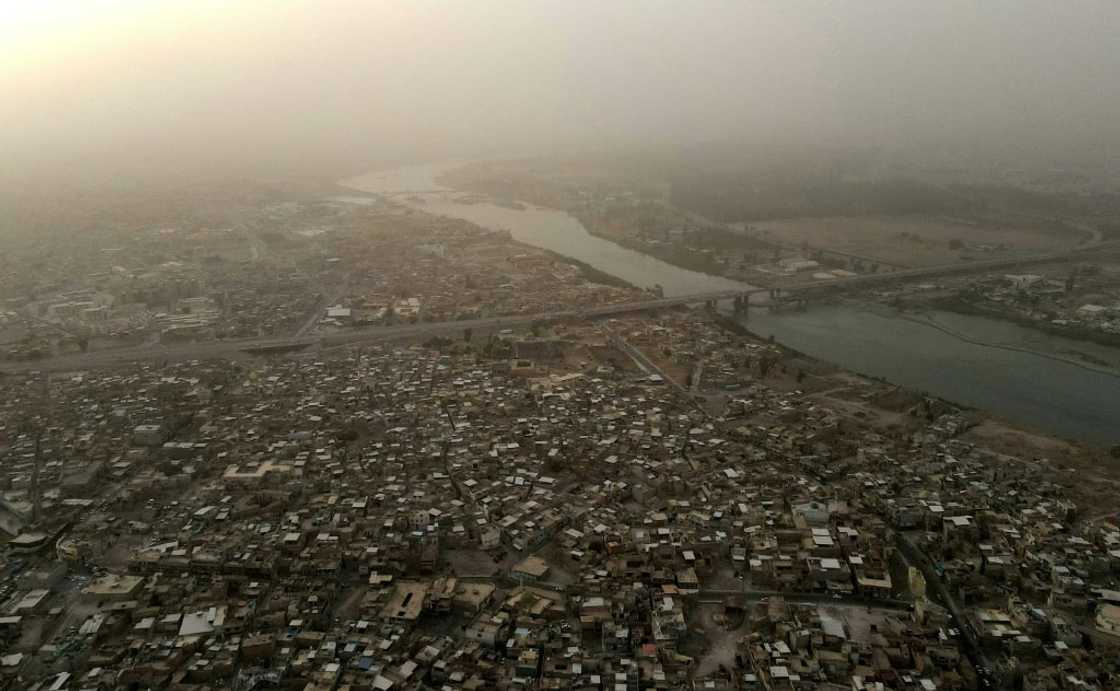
(658, 500)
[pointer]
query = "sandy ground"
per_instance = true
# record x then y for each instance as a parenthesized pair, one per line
(349, 606)
(858, 620)
(471, 562)
(721, 642)
(1091, 477)
(912, 241)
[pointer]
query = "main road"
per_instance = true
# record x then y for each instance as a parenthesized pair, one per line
(222, 348)
(110, 357)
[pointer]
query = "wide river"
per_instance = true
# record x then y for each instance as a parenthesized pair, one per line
(1022, 375)
(546, 228)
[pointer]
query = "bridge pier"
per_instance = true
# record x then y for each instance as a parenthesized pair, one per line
(742, 305)
(790, 301)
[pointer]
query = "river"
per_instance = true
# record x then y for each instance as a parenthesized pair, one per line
(1026, 388)
(541, 227)
(975, 361)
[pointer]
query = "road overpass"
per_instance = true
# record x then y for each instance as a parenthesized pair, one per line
(755, 295)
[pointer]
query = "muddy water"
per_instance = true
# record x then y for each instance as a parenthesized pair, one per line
(952, 356)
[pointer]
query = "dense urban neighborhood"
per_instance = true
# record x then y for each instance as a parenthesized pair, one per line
(660, 500)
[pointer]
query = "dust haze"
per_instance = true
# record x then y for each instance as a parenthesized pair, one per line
(124, 88)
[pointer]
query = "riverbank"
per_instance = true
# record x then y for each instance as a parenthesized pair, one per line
(962, 306)
(975, 362)
(1098, 366)
(670, 254)
(918, 311)
(592, 274)
(544, 228)
(1057, 398)
(675, 254)
(1088, 471)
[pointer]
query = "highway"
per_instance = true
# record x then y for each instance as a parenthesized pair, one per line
(111, 357)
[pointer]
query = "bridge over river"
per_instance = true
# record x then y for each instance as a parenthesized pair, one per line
(744, 296)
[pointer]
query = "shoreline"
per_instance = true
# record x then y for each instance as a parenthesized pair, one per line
(589, 272)
(589, 228)
(1107, 371)
(916, 314)
(983, 415)
(959, 306)
(949, 305)
(746, 330)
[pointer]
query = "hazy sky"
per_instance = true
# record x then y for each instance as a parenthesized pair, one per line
(89, 84)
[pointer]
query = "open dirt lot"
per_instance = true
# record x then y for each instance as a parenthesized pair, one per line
(915, 241)
(721, 638)
(1092, 477)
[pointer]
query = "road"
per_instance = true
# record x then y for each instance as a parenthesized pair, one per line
(795, 598)
(219, 348)
(317, 312)
(650, 367)
(918, 558)
(222, 348)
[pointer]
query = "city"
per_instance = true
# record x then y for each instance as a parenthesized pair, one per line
(657, 499)
(517, 346)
